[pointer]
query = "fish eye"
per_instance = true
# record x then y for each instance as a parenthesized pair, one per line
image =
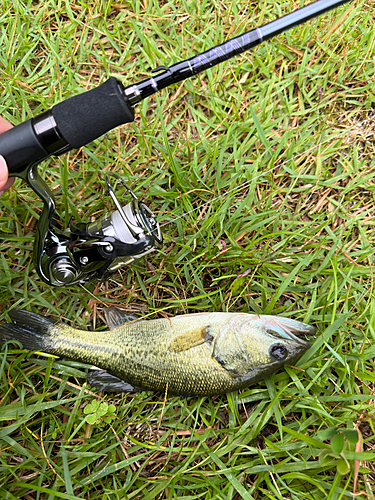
(278, 351)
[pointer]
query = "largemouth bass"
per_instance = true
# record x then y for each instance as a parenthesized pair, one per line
(199, 354)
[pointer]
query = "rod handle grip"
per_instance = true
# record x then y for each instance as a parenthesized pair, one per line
(85, 117)
(20, 147)
(70, 124)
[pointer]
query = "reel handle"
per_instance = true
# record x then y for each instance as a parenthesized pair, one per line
(68, 125)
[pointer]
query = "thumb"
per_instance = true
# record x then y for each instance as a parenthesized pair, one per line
(5, 183)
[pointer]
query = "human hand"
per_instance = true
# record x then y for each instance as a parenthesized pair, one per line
(5, 182)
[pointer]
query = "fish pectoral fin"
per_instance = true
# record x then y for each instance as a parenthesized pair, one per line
(115, 317)
(104, 381)
(191, 339)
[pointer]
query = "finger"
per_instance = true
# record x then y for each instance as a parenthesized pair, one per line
(4, 125)
(5, 183)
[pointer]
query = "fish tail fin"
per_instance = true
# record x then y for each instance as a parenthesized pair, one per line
(30, 329)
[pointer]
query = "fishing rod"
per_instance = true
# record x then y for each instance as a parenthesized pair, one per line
(82, 251)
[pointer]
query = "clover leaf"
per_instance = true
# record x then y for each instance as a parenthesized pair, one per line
(99, 413)
(342, 440)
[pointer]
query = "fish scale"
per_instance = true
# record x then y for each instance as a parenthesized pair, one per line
(193, 354)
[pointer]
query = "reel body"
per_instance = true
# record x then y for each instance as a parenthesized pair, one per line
(95, 250)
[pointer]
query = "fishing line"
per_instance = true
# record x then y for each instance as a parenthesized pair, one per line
(252, 181)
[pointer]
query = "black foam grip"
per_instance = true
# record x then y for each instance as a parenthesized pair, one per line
(87, 116)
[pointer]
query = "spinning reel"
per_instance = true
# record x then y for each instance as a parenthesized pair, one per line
(96, 250)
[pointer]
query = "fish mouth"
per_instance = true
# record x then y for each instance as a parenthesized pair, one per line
(295, 350)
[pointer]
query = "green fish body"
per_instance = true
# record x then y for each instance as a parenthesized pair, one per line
(193, 354)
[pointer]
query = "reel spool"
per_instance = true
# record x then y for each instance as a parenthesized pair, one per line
(94, 250)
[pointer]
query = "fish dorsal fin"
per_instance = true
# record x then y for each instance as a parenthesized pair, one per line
(191, 339)
(115, 317)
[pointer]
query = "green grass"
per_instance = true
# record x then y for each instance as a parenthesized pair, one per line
(295, 120)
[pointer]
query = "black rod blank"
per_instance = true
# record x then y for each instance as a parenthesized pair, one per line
(227, 50)
(85, 117)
